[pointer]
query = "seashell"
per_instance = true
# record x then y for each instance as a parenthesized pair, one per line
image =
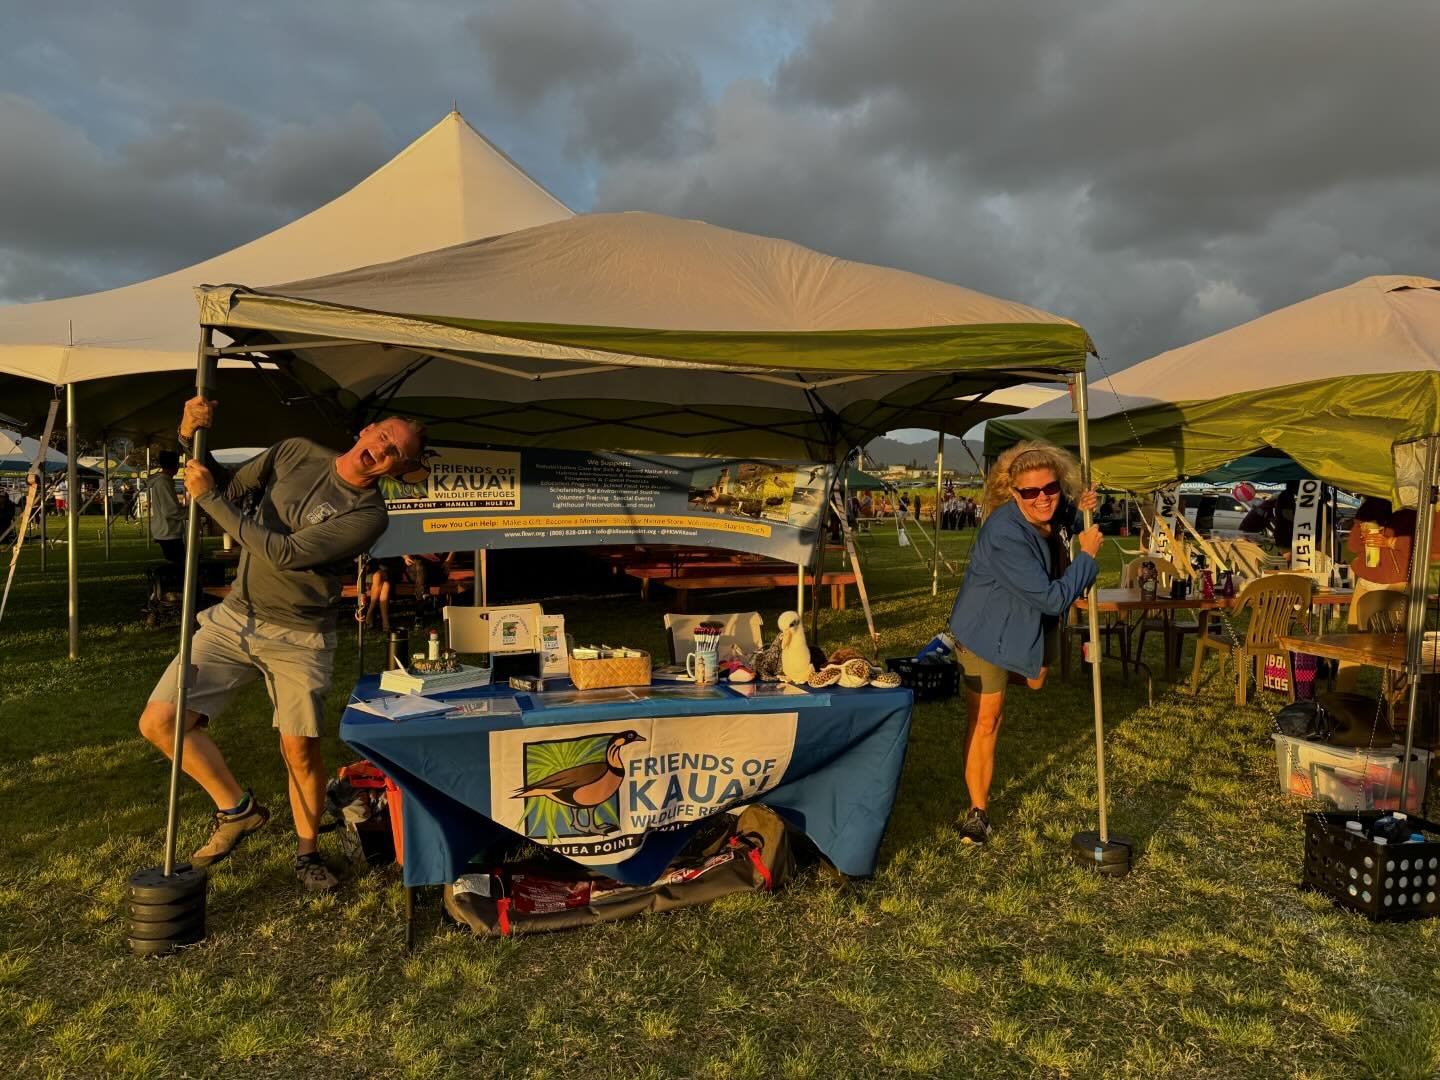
(854, 673)
(886, 680)
(742, 675)
(826, 676)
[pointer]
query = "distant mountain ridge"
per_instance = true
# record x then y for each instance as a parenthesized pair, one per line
(882, 452)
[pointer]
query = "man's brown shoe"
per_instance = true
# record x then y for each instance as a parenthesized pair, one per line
(227, 831)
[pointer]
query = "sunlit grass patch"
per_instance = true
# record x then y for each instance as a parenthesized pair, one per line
(950, 961)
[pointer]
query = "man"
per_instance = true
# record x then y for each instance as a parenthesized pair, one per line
(7, 514)
(167, 520)
(316, 512)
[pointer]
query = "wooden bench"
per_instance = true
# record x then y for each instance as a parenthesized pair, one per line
(756, 579)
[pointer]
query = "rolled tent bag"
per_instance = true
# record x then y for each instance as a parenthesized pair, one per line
(745, 853)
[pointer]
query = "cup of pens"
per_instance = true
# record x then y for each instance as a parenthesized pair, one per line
(703, 665)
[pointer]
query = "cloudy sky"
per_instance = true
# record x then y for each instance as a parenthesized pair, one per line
(1158, 170)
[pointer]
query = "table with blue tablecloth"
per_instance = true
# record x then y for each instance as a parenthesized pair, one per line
(619, 786)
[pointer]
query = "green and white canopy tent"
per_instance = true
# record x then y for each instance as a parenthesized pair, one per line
(639, 333)
(642, 333)
(1335, 381)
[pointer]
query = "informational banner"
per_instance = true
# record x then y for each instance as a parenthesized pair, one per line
(1303, 541)
(592, 792)
(502, 499)
(1165, 509)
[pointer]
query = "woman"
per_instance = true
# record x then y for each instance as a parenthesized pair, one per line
(1007, 616)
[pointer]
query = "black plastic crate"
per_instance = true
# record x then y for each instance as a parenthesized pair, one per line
(1384, 882)
(928, 682)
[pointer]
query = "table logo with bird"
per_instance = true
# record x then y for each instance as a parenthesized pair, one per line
(572, 785)
(593, 792)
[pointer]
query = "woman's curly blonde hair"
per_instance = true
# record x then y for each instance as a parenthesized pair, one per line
(1021, 458)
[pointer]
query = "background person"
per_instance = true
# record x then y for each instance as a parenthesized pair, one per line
(167, 520)
(1380, 543)
(1007, 615)
(316, 512)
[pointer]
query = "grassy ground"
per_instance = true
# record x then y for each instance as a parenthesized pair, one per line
(1006, 961)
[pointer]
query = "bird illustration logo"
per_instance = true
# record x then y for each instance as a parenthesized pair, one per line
(579, 789)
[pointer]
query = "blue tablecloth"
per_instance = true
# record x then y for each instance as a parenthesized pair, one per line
(829, 763)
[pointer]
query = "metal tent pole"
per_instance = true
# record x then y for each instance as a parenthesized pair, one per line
(105, 482)
(482, 569)
(477, 598)
(1109, 856)
(148, 540)
(1415, 603)
(939, 482)
(44, 517)
(72, 520)
(204, 387)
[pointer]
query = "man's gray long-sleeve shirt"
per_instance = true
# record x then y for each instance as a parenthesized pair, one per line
(297, 548)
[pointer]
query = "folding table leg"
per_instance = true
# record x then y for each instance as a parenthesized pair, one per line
(409, 918)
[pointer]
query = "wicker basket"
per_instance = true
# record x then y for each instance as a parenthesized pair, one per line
(616, 671)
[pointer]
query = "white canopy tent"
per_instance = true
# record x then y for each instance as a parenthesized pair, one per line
(125, 355)
(448, 186)
(1335, 381)
(642, 333)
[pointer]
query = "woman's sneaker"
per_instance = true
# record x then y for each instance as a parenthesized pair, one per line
(976, 827)
(313, 874)
(228, 829)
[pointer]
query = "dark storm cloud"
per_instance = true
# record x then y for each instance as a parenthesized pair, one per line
(201, 179)
(1157, 171)
(625, 94)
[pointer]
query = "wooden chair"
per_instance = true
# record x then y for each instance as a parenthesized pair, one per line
(1383, 612)
(1274, 603)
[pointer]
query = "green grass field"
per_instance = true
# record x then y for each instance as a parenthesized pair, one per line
(953, 961)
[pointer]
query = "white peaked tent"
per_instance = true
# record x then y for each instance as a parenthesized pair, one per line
(448, 186)
(127, 356)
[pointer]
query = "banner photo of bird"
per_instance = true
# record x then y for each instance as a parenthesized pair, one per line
(761, 490)
(591, 792)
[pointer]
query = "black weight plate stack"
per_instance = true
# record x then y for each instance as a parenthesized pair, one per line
(165, 912)
(1111, 858)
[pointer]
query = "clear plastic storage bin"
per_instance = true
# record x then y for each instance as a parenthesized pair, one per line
(1347, 779)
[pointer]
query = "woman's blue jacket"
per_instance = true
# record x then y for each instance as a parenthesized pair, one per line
(1000, 609)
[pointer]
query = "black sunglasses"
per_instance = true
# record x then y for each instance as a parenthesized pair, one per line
(1052, 489)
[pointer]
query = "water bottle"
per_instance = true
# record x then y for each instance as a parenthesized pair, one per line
(939, 649)
(1227, 584)
(398, 650)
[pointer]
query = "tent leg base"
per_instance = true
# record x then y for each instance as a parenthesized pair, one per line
(1111, 858)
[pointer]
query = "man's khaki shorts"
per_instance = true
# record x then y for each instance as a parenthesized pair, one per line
(231, 650)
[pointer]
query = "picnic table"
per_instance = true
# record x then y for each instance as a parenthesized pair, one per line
(701, 578)
(1126, 602)
(1374, 650)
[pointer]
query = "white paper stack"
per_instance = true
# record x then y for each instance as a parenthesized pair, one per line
(405, 682)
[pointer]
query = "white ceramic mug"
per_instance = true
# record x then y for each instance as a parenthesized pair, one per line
(703, 667)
